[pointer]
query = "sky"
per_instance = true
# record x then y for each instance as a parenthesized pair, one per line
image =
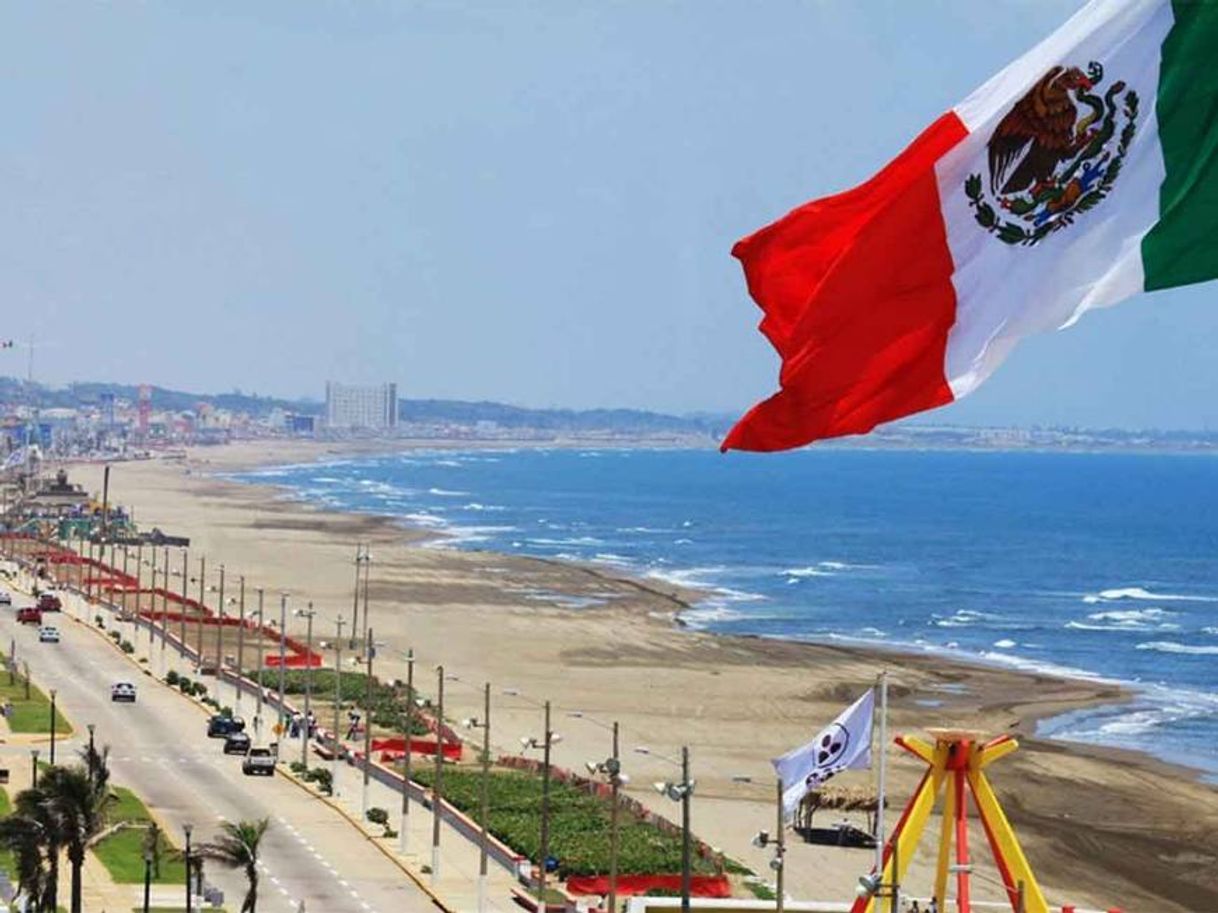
(531, 202)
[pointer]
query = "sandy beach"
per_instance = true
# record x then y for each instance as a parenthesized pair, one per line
(1102, 827)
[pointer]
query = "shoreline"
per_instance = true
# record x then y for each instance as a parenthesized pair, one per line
(737, 699)
(685, 598)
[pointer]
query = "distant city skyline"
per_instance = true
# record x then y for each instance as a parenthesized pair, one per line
(531, 205)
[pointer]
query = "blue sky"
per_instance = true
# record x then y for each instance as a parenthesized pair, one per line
(531, 202)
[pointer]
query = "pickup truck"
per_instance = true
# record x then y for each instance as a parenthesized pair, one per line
(258, 761)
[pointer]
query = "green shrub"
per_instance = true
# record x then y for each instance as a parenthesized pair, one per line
(99, 621)
(172, 677)
(115, 636)
(185, 685)
(298, 767)
(579, 824)
(323, 778)
(127, 646)
(378, 816)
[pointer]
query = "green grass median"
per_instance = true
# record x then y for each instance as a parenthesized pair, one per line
(122, 852)
(32, 715)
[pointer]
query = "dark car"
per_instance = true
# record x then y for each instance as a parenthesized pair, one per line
(29, 615)
(49, 602)
(218, 727)
(236, 743)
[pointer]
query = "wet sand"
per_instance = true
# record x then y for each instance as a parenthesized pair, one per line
(1102, 827)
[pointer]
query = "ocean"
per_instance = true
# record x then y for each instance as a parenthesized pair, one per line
(1095, 565)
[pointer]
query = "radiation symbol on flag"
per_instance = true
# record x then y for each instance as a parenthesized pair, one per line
(1056, 154)
(831, 743)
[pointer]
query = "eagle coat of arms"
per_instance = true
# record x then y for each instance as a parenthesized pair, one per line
(1048, 160)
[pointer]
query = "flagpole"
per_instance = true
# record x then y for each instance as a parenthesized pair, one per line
(882, 685)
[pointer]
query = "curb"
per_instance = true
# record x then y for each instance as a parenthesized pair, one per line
(388, 854)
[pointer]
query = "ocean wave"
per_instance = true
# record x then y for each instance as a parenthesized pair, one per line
(446, 493)
(1152, 619)
(1170, 646)
(1139, 593)
(964, 618)
(1004, 644)
(815, 570)
(490, 508)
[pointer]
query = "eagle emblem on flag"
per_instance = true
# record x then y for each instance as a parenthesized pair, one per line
(1056, 154)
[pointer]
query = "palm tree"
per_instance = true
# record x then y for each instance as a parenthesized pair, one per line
(77, 799)
(33, 832)
(23, 837)
(237, 848)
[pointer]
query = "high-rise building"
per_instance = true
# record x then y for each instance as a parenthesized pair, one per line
(374, 408)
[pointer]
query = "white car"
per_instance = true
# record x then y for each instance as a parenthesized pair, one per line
(48, 635)
(123, 691)
(6, 598)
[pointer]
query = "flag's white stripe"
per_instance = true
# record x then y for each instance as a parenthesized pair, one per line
(1105, 21)
(1006, 292)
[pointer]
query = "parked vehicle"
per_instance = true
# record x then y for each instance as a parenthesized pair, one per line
(258, 761)
(49, 602)
(48, 635)
(236, 743)
(123, 692)
(6, 598)
(219, 727)
(29, 615)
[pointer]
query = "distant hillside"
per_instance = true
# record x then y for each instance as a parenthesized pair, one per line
(459, 412)
(419, 411)
(90, 393)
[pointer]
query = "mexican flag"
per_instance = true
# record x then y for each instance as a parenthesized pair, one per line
(1083, 173)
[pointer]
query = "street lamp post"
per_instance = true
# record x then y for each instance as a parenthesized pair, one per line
(53, 693)
(261, 664)
(545, 743)
(147, 878)
(437, 790)
(680, 792)
(611, 767)
(202, 611)
(485, 798)
(164, 608)
(189, 898)
(34, 752)
(92, 750)
(220, 634)
(359, 557)
(152, 603)
(338, 701)
(764, 839)
(370, 653)
(182, 615)
(283, 643)
(240, 643)
(404, 828)
(308, 614)
(126, 579)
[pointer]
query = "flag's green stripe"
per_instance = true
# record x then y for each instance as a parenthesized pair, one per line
(1183, 246)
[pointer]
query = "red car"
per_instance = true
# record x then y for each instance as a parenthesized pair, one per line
(29, 615)
(49, 602)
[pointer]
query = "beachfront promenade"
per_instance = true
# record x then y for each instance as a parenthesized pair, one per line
(158, 746)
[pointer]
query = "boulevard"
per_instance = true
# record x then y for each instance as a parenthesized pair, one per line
(159, 748)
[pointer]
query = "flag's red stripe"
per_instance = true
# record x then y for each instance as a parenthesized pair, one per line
(857, 294)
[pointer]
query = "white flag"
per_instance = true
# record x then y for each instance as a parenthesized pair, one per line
(845, 744)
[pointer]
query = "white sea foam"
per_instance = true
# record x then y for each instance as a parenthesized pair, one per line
(1170, 646)
(1004, 644)
(1152, 619)
(964, 618)
(1139, 593)
(490, 508)
(799, 573)
(446, 493)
